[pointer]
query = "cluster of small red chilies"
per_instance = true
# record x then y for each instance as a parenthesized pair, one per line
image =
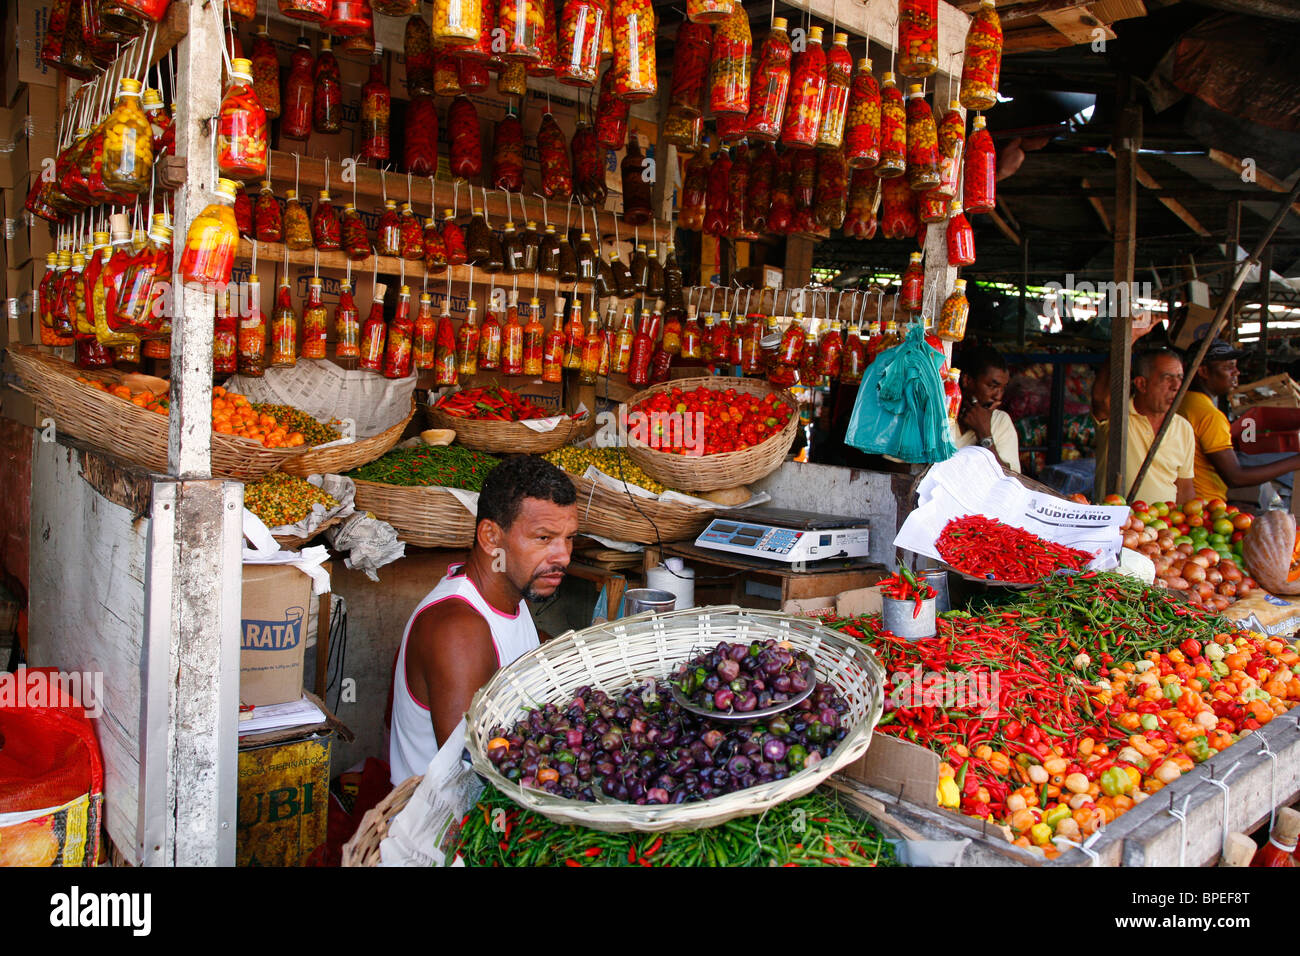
(986, 548)
(491, 403)
(904, 586)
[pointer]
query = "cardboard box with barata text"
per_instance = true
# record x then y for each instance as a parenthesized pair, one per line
(272, 633)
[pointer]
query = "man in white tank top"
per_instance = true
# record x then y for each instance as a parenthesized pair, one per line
(475, 620)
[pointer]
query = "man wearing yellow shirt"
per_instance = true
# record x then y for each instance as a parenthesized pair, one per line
(1216, 463)
(1157, 375)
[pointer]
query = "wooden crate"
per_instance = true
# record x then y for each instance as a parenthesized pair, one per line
(1280, 390)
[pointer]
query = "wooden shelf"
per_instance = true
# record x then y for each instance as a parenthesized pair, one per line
(370, 183)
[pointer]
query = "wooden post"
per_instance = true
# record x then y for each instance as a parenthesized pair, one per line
(1232, 240)
(1128, 139)
(1023, 311)
(1265, 295)
(798, 261)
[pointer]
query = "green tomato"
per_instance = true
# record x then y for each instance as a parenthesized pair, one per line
(1182, 539)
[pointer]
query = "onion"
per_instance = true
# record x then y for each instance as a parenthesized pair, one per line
(1205, 590)
(1177, 583)
(1161, 582)
(1199, 560)
(1193, 572)
(1230, 572)
(1185, 549)
(1149, 549)
(1228, 589)
(1210, 556)
(1130, 540)
(1214, 576)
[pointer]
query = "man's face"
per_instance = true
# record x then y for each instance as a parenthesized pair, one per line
(987, 389)
(1221, 377)
(1155, 394)
(538, 546)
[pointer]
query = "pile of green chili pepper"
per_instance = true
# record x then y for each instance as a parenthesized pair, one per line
(814, 830)
(446, 466)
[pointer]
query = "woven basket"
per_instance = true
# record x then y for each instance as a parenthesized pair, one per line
(363, 848)
(292, 542)
(714, 472)
(127, 431)
(615, 655)
(512, 437)
(624, 517)
(427, 517)
(340, 458)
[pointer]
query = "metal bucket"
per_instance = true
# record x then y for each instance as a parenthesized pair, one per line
(648, 599)
(937, 578)
(896, 617)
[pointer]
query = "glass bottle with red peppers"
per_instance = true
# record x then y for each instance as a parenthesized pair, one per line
(225, 337)
(508, 154)
(913, 285)
(266, 73)
(830, 351)
(803, 108)
(489, 341)
(582, 23)
(374, 332)
(472, 75)
(453, 240)
(445, 371)
(690, 66)
(547, 45)
(862, 127)
(244, 214)
(771, 85)
(512, 339)
(893, 130)
(241, 128)
(397, 346)
(534, 338)
(661, 361)
(982, 64)
(638, 369)
(918, 37)
(347, 324)
(376, 107)
(315, 321)
(268, 225)
(327, 95)
(593, 342)
(1281, 846)
(356, 241)
(424, 337)
(252, 332)
(980, 182)
(588, 166)
(854, 357)
(621, 352)
(162, 127)
(467, 337)
(574, 337)
(411, 243)
(611, 115)
(466, 143)
(419, 58)
(284, 328)
(554, 159)
(553, 346)
(730, 64)
(435, 250)
(961, 239)
(326, 231)
(717, 202)
(952, 150)
(349, 18)
(446, 78)
(693, 201)
(898, 209)
(388, 238)
(420, 149)
(922, 143)
(835, 105)
(296, 119)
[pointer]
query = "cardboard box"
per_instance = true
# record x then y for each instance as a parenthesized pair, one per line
(858, 602)
(25, 25)
(273, 633)
(35, 127)
(20, 305)
(1194, 326)
(283, 800)
(26, 236)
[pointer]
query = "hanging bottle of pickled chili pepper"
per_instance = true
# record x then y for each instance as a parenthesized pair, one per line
(315, 319)
(513, 80)
(266, 74)
(471, 75)
(898, 219)
(284, 328)
(835, 105)
(296, 118)
(458, 24)
(508, 154)
(212, 240)
(547, 47)
(982, 64)
(251, 340)
(466, 144)
(961, 239)
(637, 202)
(638, 368)
(435, 252)
(467, 339)
(854, 357)
(893, 130)
(582, 25)
(241, 128)
(327, 92)
(420, 149)
(809, 373)
(349, 18)
(953, 315)
(690, 66)
(453, 240)
(45, 299)
(862, 127)
(512, 250)
(620, 276)
(326, 231)
(388, 238)
(356, 241)
(574, 337)
(979, 193)
(534, 339)
(671, 341)
(297, 225)
(477, 238)
(411, 242)
(398, 342)
(593, 342)
(347, 324)
(803, 108)
(554, 159)
(693, 198)
(621, 349)
(792, 341)
(376, 106)
(952, 148)
(771, 85)
(374, 332)
(635, 75)
(922, 143)
(691, 336)
(661, 360)
(489, 342)
(419, 58)
(611, 114)
(424, 335)
(445, 368)
(553, 348)
(128, 143)
(244, 215)
(716, 212)
(531, 242)
(548, 252)
(918, 37)
(830, 351)
(267, 224)
(162, 128)
(729, 64)
(913, 285)
(512, 339)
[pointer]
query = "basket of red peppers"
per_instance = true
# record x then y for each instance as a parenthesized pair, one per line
(494, 418)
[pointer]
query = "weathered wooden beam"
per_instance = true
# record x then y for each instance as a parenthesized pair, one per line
(1099, 208)
(1173, 205)
(1250, 174)
(1005, 228)
(1127, 142)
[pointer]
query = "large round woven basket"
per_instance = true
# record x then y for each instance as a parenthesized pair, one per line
(127, 431)
(513, 437)
(624, 517)
(427, 517)
(714, 472)
(340, 458)
(619, 654)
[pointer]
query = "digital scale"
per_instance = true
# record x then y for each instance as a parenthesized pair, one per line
(777, 534)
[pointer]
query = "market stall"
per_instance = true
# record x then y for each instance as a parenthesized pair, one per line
(312, 270)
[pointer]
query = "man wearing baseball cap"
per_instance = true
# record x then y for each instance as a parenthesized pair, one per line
(1216, 465)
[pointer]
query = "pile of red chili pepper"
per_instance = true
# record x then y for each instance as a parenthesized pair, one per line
(986, 548)
(904, 586)
(813, 830)
(1064, 708)
(491, 403)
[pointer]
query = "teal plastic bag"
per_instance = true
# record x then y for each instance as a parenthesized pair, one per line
(901, 409)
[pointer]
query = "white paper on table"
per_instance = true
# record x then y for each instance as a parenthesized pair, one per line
(629, 546)
(266, 550)
(973, 483)
(296, 713)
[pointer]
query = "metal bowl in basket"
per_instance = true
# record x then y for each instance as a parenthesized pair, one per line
(714, 472)
(621, 653)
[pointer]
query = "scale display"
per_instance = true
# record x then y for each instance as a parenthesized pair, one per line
(787, 536)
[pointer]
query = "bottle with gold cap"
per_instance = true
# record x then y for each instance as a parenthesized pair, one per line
(954, 313)
(103, 294)
(411, 241)
(771, 85)
(268, 223)
(424, 337)
(327, 91)
(46, 294)
(162, 128)
(241, 128)
(444, 361)
(315, 321)
(374, 332)
(128, 142)
(326, 230)
(467, 337)
(893, 130)
(922, 142)
(622, 352)
(593, 342)
(803, 108)
(489, 339)
(297, 226)
(388, 239)
(347, 324)
(225, 336)
(575, 337)
(397, 350)
(553, 346)
(512, 339)
(534, 334)
(212, 240)
(251, 342)
(284, 328)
